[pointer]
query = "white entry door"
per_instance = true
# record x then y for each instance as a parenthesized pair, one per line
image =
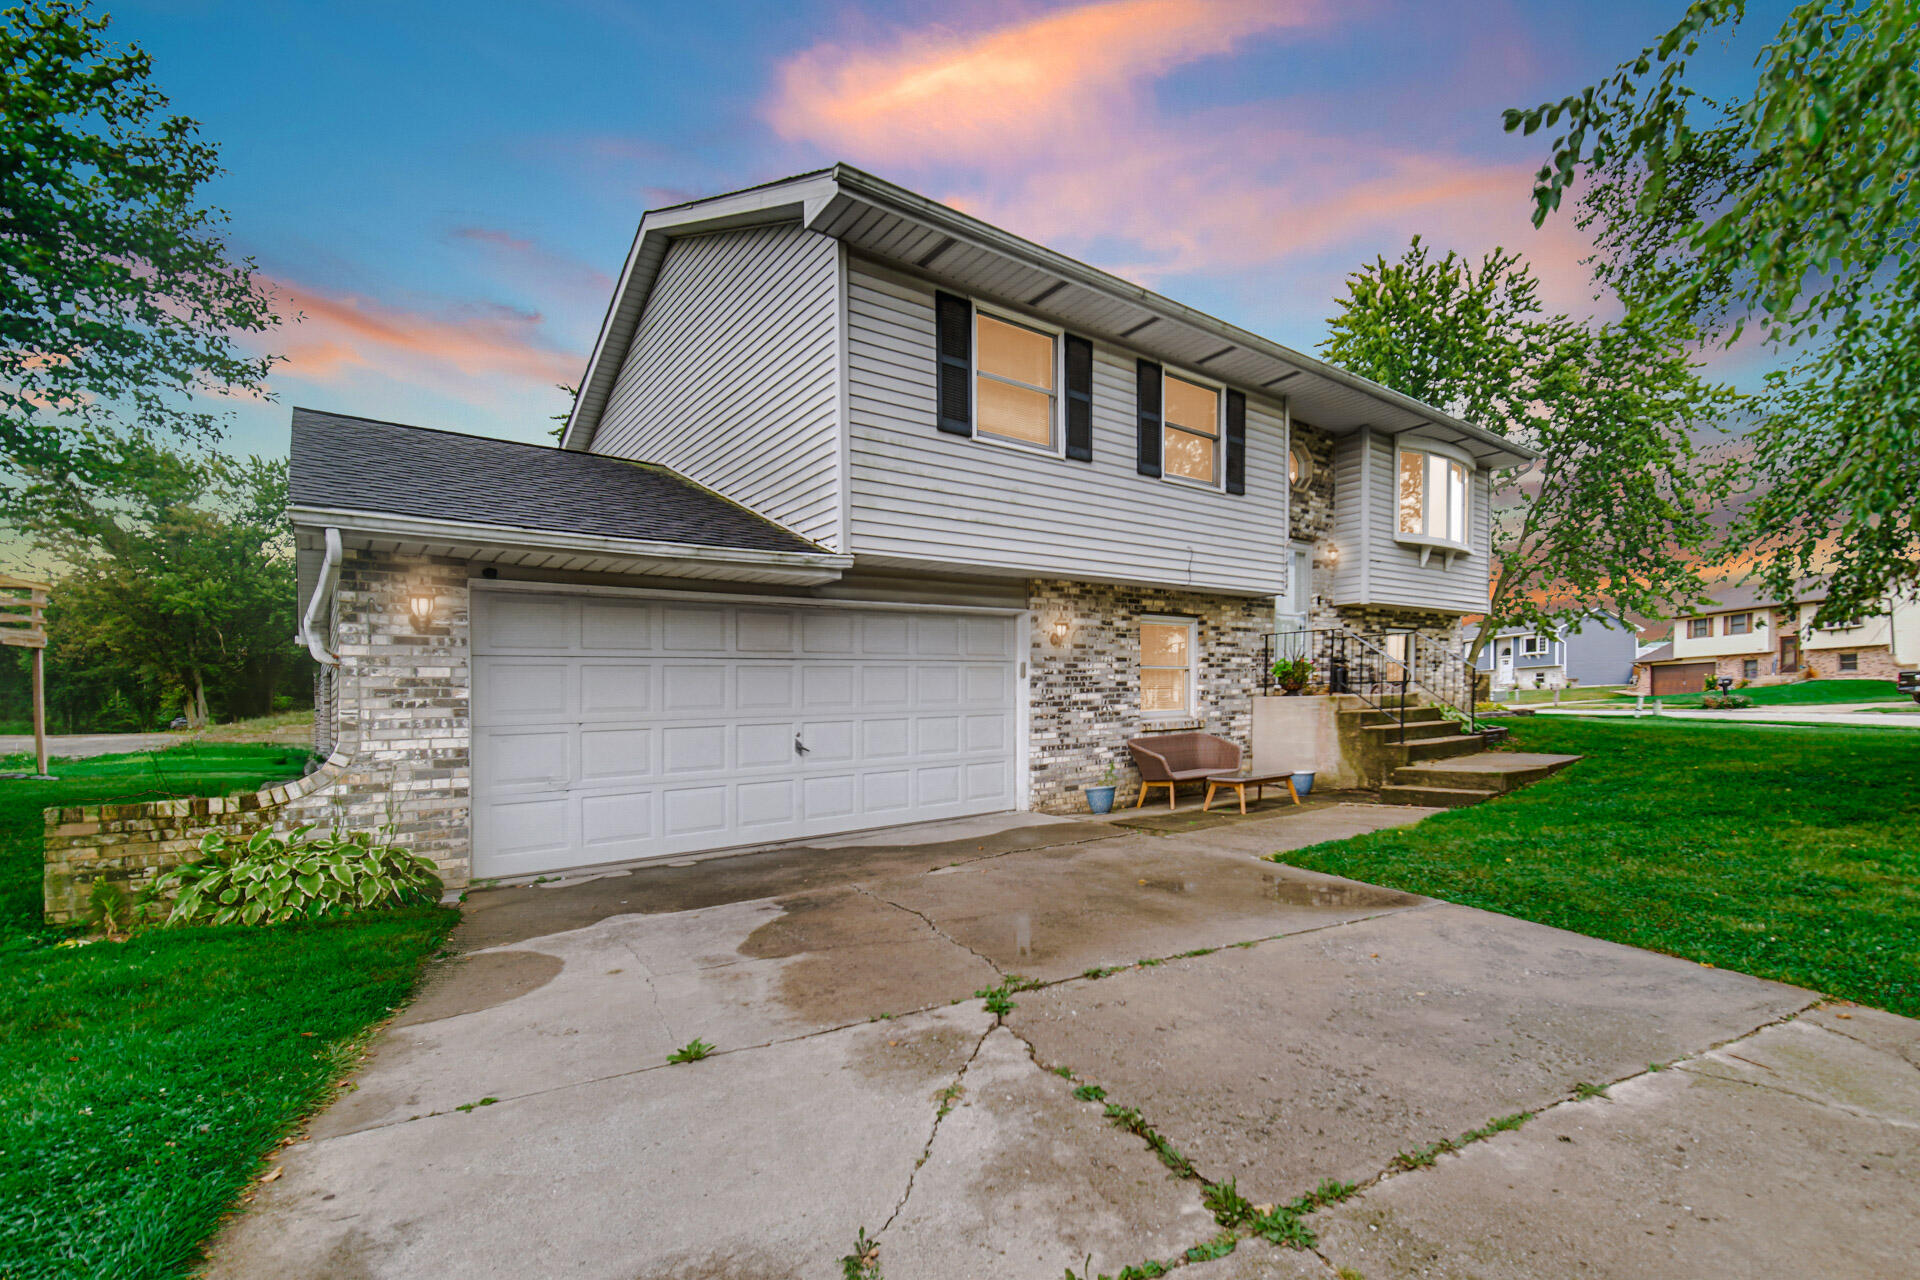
(610, 729)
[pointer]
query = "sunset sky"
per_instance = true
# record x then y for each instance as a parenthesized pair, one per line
(443, 192)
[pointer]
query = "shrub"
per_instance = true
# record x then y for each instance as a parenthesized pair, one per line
(269, 878)
(1725, 702)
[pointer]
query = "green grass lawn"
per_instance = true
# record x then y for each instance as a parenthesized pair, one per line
(1782, 851)
(1801, 693)
(142, 1082)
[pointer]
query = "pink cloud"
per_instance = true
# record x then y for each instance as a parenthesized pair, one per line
(1050, 126)
(466, 348)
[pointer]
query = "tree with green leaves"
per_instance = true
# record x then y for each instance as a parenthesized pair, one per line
(1786, 216)
(179, 586)
(120, 299)
(1614, 515)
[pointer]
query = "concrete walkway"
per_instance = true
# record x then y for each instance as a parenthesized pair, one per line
(1267, 1026)
(76, 746)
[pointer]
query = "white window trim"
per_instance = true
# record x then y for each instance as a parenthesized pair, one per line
(1528, 647)
(1056, 417)
(1219, 389)
(1193, 665)
(1429, 545)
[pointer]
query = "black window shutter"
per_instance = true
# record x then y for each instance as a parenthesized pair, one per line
(1079, 399)
(953, 339)
(1236, 442)
(1148, 399)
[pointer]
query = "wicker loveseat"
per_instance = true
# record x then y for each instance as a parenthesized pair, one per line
(1168, 759)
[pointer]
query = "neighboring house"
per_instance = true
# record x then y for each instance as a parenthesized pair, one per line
(867, 512)
(1751, 635)
(1596, 652)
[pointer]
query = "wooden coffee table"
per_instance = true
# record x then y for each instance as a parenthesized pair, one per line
(1241, 781)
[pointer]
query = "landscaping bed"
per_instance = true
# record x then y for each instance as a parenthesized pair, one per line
(1784, 852)
(142, 1082)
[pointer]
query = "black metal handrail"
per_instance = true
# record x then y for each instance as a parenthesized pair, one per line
(1345, 663)
(1362, 666)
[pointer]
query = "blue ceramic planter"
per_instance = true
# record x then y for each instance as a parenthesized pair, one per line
(1302, 783)
(1100, 799)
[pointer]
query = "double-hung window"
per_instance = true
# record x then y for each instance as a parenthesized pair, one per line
(1191, 439)
(1166, 667)
(1699, 628)
(1014, 382)
(1432, 493)
(1738, 624)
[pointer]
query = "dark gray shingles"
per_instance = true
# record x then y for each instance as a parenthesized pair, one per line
(361, 464)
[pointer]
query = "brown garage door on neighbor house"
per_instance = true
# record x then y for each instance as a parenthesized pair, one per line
(1681, 677)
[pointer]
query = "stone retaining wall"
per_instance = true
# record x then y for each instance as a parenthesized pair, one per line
(401, 711)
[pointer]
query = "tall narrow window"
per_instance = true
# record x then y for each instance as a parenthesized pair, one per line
(1166, 668)
(1192, 431)
(1433, 497)
(1013, 382)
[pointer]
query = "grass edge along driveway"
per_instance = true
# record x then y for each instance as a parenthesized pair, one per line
(1783, 852)
(142, 1083)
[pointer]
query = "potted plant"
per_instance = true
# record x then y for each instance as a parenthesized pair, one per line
(1100, 798)
(1293, 674)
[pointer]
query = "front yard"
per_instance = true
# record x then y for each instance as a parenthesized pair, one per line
(142, 1082)
(1801, 693)
(1781, 851)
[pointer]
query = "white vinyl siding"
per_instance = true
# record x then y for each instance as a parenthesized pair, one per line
(922, 497)
(1374, 568)
(733, 380)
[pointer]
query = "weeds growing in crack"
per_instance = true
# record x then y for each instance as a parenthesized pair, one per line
(948, 1096)
(1582, 1090)
(1065, 1073)
(1000, 999)
(1421, 1157)
(1218, 1247)
(1281, 1223)
(1197, 951)
(1102, 970)
(1229, 1208)
(864, 1262)
(1090, 1093)
(692, 1051)
(1130, 1119)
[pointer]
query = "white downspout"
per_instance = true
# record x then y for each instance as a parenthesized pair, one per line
(322, 592)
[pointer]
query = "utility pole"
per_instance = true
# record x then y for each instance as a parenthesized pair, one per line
(23, 625)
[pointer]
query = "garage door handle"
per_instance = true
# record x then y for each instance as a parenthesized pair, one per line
(799, 747)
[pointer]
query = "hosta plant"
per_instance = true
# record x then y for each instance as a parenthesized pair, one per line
(270, 878)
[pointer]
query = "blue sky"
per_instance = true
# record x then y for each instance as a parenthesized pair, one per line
(445, 191)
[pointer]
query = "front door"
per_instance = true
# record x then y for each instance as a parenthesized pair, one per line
(1789, 653)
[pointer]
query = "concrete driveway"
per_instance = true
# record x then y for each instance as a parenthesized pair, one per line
(1274, 1027)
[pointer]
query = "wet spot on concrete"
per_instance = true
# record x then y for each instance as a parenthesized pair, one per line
(1339, 894)
(480, 982)
(926, 1050)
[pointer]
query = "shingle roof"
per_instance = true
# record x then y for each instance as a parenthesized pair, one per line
(361, 464)
(1662, 654)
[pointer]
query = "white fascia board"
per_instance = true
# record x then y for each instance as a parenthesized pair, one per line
(801, 567)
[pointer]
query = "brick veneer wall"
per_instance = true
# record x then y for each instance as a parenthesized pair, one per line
(401, 753)
(1085, 694)
(1310, 519)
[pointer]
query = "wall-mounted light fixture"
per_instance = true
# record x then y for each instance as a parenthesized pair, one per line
(1333, 553)
(420, 605)
(1061, 630)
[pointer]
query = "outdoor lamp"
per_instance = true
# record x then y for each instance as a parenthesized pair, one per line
(1060, 632)
(420, 605)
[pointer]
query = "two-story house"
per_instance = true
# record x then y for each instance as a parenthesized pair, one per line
(1597, 652)
(867, 512)
(1751, 635)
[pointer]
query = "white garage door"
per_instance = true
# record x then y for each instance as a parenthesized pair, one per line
(612, 729)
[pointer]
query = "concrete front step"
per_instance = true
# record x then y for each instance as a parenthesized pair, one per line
(1495, 772)
(1432, 797)
(1438, 727)
(1443, 748)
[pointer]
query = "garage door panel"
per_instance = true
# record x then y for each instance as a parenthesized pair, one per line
(615, 755)
(774, 803)
(610, 730)
(764, 746)
(617, 819)
(616, 624)
(695, 628)
(938, 786)
(618, 689)
(527, 758)
(686, 688)
(765, 686)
